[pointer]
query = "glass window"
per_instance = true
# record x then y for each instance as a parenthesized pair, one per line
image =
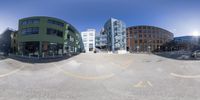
(68, 36)
(51, 31)
(140, 35)
(31, 30)
(136, 41)
(91, 34)
(30, 21)
(56, 23)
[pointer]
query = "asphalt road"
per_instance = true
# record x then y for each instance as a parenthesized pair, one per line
(101, 77)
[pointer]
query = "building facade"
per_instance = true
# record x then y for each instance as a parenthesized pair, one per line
(5, 41)
(115, 31)
(88, 38)
(186, 43)
(14, 43)
(147, 38)
(46, 36)
(101, 40)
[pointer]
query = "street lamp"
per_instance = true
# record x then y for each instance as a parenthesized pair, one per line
(138, 48)
(149, 47)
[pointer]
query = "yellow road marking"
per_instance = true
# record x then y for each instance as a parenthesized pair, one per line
(185, 76)
(143, 84)
(85, 77)
(149, 83)
(12, 72)
(139, 85)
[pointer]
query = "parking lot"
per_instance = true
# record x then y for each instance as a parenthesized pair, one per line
(101, 77)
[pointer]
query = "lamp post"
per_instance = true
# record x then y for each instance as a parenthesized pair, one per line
(158, 48)
(149, 46)
(138, 47)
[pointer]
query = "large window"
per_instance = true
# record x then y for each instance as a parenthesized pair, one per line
(91, 40)
(91, 34)
(31, 30)
(56, 23)
(30, 21)
(51, 31)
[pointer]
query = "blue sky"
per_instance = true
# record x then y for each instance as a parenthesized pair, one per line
(182, 17)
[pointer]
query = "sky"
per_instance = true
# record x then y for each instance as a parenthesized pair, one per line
(182, 17)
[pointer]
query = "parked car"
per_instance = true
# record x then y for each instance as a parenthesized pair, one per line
(196, 54)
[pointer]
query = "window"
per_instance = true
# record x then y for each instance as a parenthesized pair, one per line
(131, 35)
(149, 36)
(30, 21)
(90, 45)
(136, 41)
(68, 36)
(31, 30)
(71, 30)
(71, 39)
(56, 23)
(140, 35)
(54, 32)
(91, 34)
(157, 41)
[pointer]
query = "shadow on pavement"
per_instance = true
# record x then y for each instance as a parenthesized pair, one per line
(2, 57)
(41, 60)
(176, 55)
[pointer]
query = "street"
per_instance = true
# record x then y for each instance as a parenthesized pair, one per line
(101, 76)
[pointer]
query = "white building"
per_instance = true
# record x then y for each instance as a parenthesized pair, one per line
(88, 38)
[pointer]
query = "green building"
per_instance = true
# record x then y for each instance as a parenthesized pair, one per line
(42, 36)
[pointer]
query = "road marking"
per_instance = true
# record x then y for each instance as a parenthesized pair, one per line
(185, 76)
(149, 83)
(102, 77)
(12, 72)
(143, 84)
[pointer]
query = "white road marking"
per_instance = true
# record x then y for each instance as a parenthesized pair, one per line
(185, 76)
(12, 72)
